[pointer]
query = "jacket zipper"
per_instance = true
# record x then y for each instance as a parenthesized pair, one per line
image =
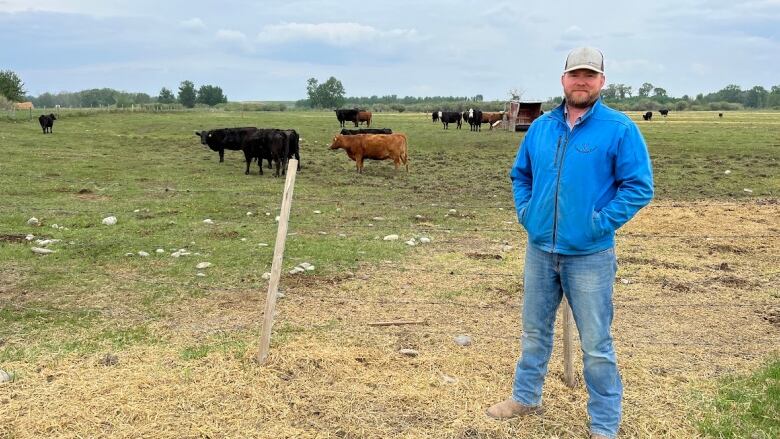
(557, 187)
(557, 149)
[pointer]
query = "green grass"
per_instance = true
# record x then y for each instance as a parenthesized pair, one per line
(746, 407)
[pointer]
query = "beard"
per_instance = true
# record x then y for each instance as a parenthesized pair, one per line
(577, 100)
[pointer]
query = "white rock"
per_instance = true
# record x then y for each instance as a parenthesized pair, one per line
(370, 225)
(297, 270)
(391, 238)
(45, 242)
(249, 214)
(452, 211)
(29, 237)
(378, 218)
(317, 211)
(176, 254)
(42, 251)
(129, 254)
(463, 340)
(310, 268)
(323, 233)
(277, 218)
(199, 274)
(625, 281)
(109, 220)
(159, 251)
(304, 265)
(342, 235)
(506, 248)
(33, 222)
(750, 191)
(727, 171)
(409, 352)
(279, 295)
(137, 210)
(338, 209)
(203, 265)
(262, 244)
(266, 276)
(55, 226)
(425, 240)
(446, 379)
(5, 376)
(411, 242)
(268, 214)
(208, 221)
(419, 216)
(143, 254)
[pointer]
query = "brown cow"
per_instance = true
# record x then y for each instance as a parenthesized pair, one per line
(23, 105)
(365, 116)
(492, 117)
(375, 147)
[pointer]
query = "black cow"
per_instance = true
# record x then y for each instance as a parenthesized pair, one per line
(663, 112)
(47, 122)
(648, 115)
(448, 117)
(269, 144)
(224, 138)
(435, 116)
(293, 146)
(474, 118)
(347, 115)
(347, 132)
(720, 114)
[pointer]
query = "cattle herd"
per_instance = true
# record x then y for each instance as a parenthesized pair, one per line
(271, 144)
(474, 117)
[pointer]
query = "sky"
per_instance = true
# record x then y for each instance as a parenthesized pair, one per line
(266, 50)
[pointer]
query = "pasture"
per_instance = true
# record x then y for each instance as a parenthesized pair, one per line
(102, 344)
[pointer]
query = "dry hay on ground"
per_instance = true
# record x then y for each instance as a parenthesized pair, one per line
(696, 291)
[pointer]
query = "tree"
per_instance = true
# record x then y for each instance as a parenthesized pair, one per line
(645, 89)
(210, 95)
(166, 96)
(516, 93)
(659, 92)
(11, 86)
(610, 92)
(756, 97)
(187, 94)
(329, 94)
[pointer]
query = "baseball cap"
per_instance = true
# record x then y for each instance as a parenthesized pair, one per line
(585, 58)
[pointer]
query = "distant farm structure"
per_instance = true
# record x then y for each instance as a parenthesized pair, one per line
(519, 115)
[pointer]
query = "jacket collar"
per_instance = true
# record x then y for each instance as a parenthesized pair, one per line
(559, 114)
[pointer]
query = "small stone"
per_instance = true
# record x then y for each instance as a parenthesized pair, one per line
(322, 233)
(391, 238)
(750, 191)
(129, 254)
(109, 220)
(55, 226)
(318, 212)
(419, 216)
(200, 274)
(446, 379)
(262, 244)
(378, 218)
(243, 239)
(208, 221)
(452, 211)
(33, 222)
(137, 210)
(277, 218)
(409, 352)
(45, 242)
(249, 214)
(506, 248)
(268, 214)
(411, 242)
(29, 237)
(159, 251)
(203, 265)
(5, 377)
(463, 340)
(266, 276)
(624, 281)
(305, 265)
(109, 360)
(310, 268)
(342, 235)
(176, 254)
(297, 270)
(42, 251)
(143, 254)
(425, 240)
(727, 171)
(279, 295)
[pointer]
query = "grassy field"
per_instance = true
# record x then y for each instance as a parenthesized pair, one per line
(106, 343)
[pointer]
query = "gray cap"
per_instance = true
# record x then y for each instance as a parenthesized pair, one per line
(585, 58)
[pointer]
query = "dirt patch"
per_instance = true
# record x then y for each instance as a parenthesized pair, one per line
(13, 238)
(478, 256)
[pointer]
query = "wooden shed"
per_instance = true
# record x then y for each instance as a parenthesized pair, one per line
(521, 114)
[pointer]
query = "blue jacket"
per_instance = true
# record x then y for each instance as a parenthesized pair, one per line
(574, 188)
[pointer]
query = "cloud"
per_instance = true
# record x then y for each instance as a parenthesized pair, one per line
(193, 24)
(234, 38)
(336, 34)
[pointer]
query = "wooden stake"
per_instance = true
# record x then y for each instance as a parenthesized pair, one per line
(276, 266)
(568, 367)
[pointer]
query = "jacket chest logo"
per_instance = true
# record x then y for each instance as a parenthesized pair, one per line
(585, 148)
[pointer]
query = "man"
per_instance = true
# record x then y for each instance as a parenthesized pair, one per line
(581, 172)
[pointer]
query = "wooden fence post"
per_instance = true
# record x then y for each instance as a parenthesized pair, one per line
(568, 349)
(276, 266)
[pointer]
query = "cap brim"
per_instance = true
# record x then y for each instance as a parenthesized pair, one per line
(583, 66)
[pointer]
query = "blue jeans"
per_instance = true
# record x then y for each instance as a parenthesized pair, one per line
(587, 281)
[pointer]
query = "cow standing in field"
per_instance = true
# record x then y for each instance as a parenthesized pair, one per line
(224, 138)
(270, 144)
(492, 117)
(648, 115)
(47, 122)
(664, 112)
(375, 147)
(448, 117)
(347, 115)
(347, 132)
(364, 116)
(435, 116)
(475, 119)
